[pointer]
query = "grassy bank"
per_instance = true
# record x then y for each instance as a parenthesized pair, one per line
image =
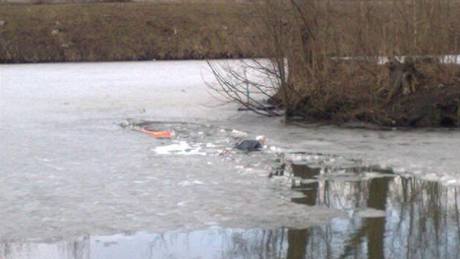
(123, 31)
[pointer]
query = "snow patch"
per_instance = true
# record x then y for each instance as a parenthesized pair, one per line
(179, 148)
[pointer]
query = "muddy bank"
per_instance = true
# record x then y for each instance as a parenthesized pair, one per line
(428, 109)
(123, 31)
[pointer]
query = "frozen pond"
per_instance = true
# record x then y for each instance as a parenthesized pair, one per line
(74, 184)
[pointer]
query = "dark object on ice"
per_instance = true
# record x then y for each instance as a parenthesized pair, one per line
(278, 170)
(249, 145)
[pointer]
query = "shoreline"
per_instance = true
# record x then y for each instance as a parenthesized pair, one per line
(430, 121)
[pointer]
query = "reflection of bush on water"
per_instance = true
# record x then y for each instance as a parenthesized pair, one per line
(422, 221)
(422, 218)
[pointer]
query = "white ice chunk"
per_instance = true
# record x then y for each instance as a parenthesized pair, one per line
(239, 134)
(180, 148)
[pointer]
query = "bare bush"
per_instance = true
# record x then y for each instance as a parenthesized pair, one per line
(328, 56)
(248, 83)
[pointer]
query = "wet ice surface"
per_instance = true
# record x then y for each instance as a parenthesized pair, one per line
(68, 168)
(116, 181)
(70, 175)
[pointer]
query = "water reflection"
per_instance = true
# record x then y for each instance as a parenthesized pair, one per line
(420, 220)
(389, 217)
(209, 243)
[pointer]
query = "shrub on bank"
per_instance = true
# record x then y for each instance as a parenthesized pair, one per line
(373, 61)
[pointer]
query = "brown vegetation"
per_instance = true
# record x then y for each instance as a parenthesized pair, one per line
(334, 52)
(122, 31)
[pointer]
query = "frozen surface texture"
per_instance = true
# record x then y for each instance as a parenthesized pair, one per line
(68, 169)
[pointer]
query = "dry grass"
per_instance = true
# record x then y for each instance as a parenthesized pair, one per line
(123, 31)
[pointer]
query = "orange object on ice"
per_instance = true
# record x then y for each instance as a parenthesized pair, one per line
(157, 134)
